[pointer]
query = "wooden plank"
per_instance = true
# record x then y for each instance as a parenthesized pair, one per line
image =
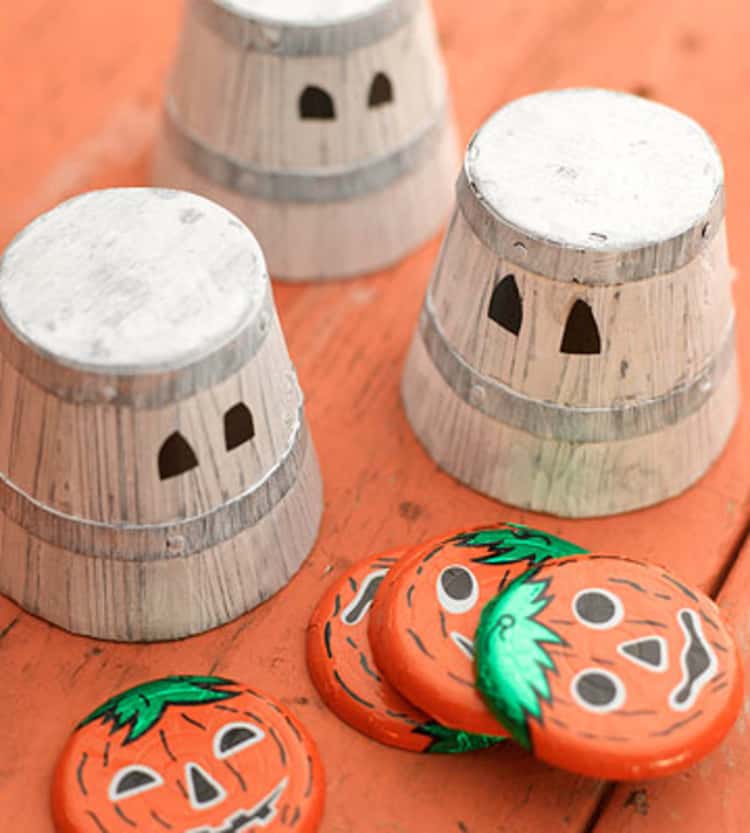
(712, 795)
(78, 97)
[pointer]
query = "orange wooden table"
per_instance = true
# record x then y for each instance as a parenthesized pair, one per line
(80, 85)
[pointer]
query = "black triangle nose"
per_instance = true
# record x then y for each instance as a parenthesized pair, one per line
(203, 790)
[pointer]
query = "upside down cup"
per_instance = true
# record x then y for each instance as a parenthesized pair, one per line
(157, 477)
(326, 126)
(576, 349)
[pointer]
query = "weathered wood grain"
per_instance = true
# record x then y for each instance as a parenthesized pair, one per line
(130, 318)
(338, 194)
(572, 200)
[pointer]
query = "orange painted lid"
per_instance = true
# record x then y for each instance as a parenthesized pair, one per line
(424, 619)
(609, 667)
(189, 754)
(343, 669)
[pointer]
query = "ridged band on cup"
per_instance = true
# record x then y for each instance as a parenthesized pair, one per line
(150, 542)
(85, 385)
(264, 34)
(586, 266)
(566, 423)
(312, 187)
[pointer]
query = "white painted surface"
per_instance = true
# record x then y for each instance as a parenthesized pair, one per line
(304, 12)
(132, 280)
(595, 169)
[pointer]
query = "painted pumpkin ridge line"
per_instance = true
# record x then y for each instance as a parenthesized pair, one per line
(678, 725)
(237, 775)
(351, 693)
(79, 773)
(366, 668)
(97, 821)
(309, 786)
(279, 744)
(628, 583)
(327, 638)
(295, 731)
(159, 820)
(418, 642)
(192, 722)
(121, 813)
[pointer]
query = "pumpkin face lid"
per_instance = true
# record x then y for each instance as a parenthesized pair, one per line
(343, 668)
(189, 755)
(426, 614)
(609, 668)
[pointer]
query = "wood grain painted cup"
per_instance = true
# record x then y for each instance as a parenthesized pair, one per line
(576, 349)
(157, 477)
(325, 125)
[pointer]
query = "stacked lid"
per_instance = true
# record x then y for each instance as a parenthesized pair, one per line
(598, 664)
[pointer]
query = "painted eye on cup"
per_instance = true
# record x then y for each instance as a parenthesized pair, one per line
(457, 589)
(133, 780)
(235, 737)
(598, 691)
(598, 609)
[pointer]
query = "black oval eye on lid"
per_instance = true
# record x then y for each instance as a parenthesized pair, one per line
(457, 589)
(235, 737)
(598, 691)
(132, 781)
(598, 609)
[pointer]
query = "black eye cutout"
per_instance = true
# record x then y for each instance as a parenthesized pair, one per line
(598, 609)
(132, 781)
(457, 589)
(581, 336)
(316, 103)
(176, 457)
(235, 737)
(506, 307)
(239, 427)
(598, 691)
(381, 91)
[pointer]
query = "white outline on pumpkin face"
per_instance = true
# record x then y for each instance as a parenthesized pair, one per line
(699, 682)
(664, 653)
(620, 694)
(221, 793)
(258, 736)
(356, 601)
(464, 644)
(115, 797)
(618, 616)
(454, 606)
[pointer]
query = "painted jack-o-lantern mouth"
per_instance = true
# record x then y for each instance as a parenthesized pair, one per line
(189, 755)
(259, 816)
